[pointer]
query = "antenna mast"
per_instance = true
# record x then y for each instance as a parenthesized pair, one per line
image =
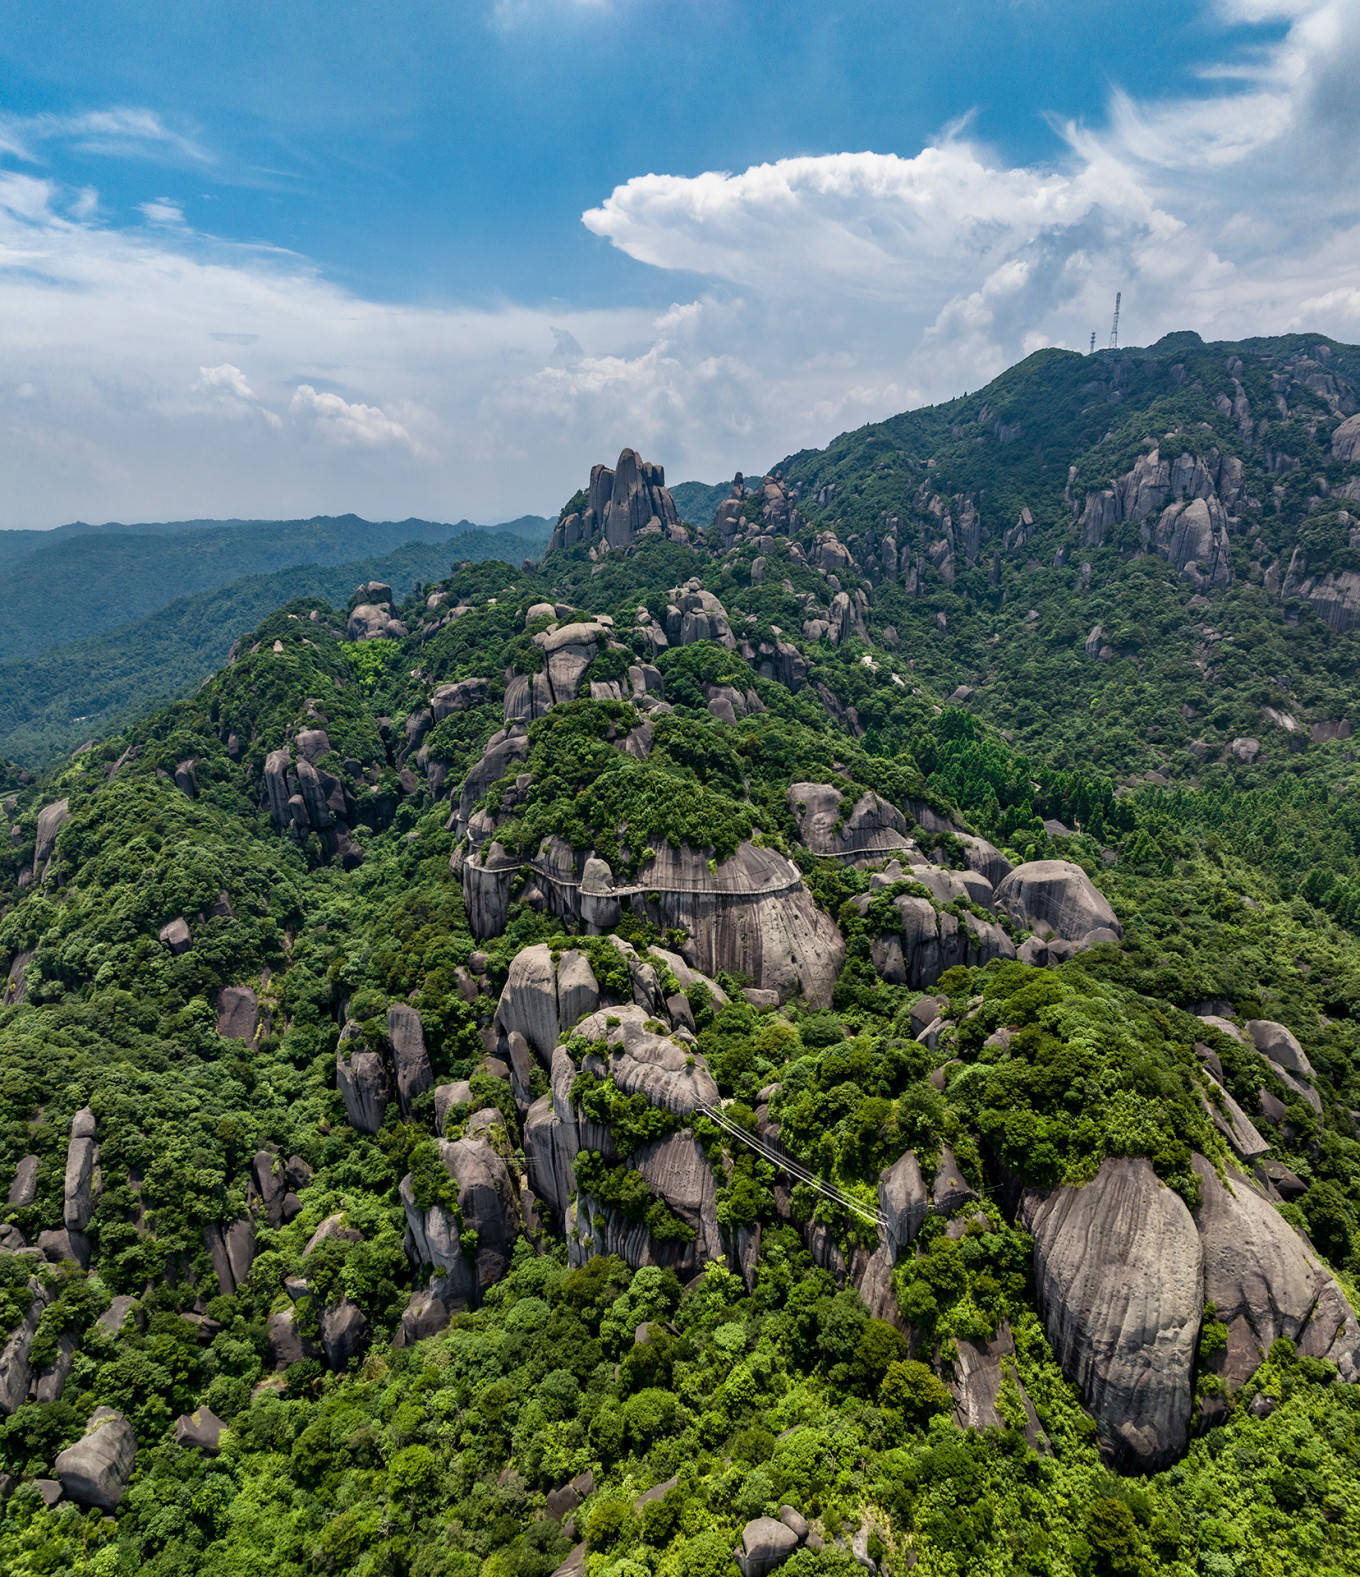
(1114, 327)
(1092, 350)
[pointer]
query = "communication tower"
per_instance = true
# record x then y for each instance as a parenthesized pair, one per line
(1114, 327)
(1092, 350)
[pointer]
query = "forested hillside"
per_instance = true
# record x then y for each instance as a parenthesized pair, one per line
(69, 694)
(825, 1041)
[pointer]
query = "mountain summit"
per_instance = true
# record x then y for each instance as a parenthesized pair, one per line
(822, 1038)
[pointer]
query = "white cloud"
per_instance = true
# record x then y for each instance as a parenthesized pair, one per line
(162, 211)
(347, 422)
(229, 379)
(830, 291)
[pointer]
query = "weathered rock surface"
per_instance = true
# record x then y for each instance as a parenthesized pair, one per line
(232, 1250)
(81, 1181)
(174, 934)
(1056, 896)
(51, 819)
(15, 1370)
(200, 1430)
(344, 1332)
(827, 826)
(543, 998)
(409, 1056)
(487, 1204)
(238, 1013)
(980, 1369)
(765, 1544)
(1118, 1269)
(1279, 1044)
(1266, 1282)
(630, 501)
(95, 1470)
(930, 941)
(902, 1201)
(361, 1078)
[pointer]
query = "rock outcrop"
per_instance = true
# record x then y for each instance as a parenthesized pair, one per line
(929, 941)
(51, 819)
(624, 504)
(200, 1430)
(15, 1370)
(485, 1201)
(1055, 897)
(238, 1013)
(765, 1544)
(1118, 1269)
(361, 1077)
(410, 1060)
(95, 1470)
(82, 1176)
(1265, 1282)
(871, 828)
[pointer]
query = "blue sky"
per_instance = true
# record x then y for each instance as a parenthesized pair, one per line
(438, 258)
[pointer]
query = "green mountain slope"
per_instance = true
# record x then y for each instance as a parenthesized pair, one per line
(81, 580)
(51, 703)
(617, 1068)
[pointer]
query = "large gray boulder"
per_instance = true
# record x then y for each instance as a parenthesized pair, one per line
(1265, 1281)
(200, 1430)
(95, 1470)
(24, 1189)
(765, 1544)
(751, 914)
(981, 1366)
(528, 1001)
(1279, 1044)
(902, 1201)
(361, 1077)
(15, 1370)
(409, 1056)
(232, 1251)
(1118, 1268)
(344, 1332)
(81, 1181)
(1058, 897)
(238, 1013)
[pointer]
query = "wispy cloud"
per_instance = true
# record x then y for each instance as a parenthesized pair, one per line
(123, 132)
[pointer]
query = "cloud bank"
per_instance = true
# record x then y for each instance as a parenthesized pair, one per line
(811, 295)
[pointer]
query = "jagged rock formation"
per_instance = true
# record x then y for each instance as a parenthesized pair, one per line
(928, 941)
(624, 504)
(303, 798)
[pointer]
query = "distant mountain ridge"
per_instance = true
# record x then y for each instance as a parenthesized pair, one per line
(82, 580)
(53, 699)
